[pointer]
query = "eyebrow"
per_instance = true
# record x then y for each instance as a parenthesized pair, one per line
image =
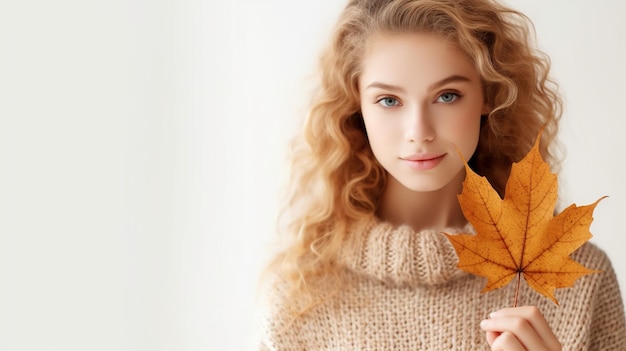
(451, 79)
(436, 85)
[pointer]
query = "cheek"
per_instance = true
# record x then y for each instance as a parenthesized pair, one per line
(380, 136)
(462, 130)
(467, 126)
(377, 128)
(468, 133)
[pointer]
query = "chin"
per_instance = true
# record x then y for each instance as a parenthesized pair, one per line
(424, 188)
(423, 185)
(432, 182)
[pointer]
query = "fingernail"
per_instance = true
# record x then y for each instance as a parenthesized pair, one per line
(493, 314)
(484, 323)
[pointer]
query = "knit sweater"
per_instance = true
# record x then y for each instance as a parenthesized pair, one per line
(402, 290)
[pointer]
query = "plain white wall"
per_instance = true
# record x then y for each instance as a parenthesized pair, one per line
(142, 149)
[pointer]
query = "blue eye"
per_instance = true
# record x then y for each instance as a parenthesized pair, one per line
(447, 98)
(388, 102)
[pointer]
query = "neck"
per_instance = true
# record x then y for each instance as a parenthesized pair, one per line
(422, 210)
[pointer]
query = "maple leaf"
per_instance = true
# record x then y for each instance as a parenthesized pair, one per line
(519, 235)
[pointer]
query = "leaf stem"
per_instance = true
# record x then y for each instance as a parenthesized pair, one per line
(519, 279)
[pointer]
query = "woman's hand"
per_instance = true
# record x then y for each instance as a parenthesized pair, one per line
(519, 328)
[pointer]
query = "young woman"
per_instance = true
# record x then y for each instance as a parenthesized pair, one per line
(375, 178)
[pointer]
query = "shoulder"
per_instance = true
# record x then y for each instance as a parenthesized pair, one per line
(592, 257)
(603, 282)
(295, 322)
(274, 316)
(273, 299)
(605, 305)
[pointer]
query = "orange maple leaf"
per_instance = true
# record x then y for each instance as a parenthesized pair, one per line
(520, 236)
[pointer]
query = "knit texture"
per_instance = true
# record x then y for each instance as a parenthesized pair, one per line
(402, 291)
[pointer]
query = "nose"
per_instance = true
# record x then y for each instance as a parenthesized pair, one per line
(420, 126)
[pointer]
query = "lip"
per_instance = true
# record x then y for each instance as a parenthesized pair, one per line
(423, 162)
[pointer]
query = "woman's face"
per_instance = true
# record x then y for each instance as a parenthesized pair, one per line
(420, 97)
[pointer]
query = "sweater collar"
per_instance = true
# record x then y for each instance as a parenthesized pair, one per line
(400, 255)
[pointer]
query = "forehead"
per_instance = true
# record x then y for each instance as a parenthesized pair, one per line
(413, 59)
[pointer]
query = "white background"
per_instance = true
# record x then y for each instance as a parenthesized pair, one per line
(142, 149)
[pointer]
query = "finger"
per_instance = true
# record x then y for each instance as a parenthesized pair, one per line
(517, 327)
(536, 320)
(491, 337)
(507, 342)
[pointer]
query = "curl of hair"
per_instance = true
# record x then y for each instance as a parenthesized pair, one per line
(336, 181)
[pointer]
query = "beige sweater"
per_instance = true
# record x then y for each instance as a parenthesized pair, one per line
(403, 291)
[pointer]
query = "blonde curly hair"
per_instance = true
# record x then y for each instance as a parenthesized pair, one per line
(335, 180)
